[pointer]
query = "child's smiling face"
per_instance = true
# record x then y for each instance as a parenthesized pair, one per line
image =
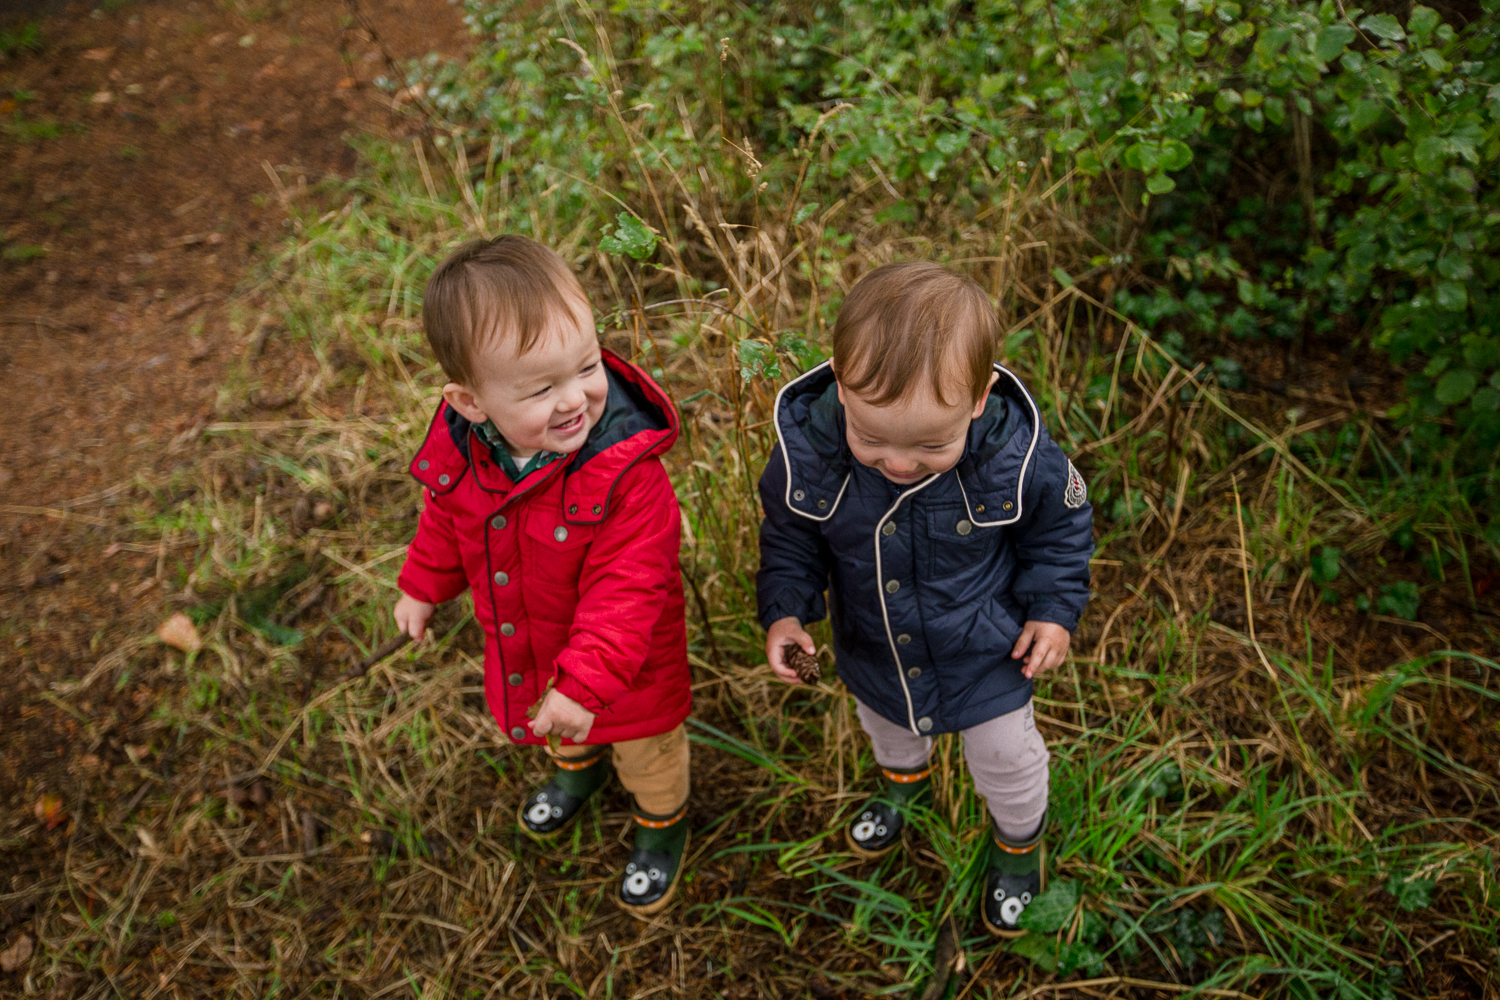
(912, 438)
(547, 399)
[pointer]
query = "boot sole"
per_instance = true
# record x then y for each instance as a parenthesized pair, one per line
(999, 932)
(866, 853)
(642, 912)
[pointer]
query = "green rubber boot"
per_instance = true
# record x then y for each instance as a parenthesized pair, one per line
(552, 807)
(876, 828)
(655, 865)
(1014, 880)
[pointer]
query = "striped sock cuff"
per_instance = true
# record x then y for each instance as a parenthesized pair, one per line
(1018, 850)
(578, 763)
(659, 822)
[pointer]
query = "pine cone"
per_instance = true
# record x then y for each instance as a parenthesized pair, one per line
(806, 666)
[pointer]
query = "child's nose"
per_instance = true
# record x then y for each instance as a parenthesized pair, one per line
(901, 466)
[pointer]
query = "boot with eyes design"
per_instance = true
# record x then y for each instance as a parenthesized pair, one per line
(552, 807)
(876, 828)
(1014, 880)
(655, 865)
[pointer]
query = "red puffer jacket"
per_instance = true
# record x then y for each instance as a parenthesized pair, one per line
(574, 570)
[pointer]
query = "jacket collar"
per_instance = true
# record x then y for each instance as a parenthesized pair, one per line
(640, 421)
(991, 474)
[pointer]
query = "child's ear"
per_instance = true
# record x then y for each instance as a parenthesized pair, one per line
(464, 402)
(984, 397)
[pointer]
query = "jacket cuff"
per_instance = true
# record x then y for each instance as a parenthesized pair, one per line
(429, 587)
(569, 684)
(1052, 611)
(805, 612)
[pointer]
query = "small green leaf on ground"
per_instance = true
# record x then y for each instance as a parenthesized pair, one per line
(1052, 909)
(1411, 893)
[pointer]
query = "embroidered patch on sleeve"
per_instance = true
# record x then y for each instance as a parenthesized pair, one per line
(1077, 493)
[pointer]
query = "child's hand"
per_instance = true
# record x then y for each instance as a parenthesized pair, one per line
(562, 716)
(411, 616)
(1047, 643)
(780, 633)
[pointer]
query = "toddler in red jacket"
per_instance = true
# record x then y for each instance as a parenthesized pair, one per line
(546, 497)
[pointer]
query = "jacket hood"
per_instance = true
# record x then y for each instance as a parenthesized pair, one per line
(992, 472)
(639, 420)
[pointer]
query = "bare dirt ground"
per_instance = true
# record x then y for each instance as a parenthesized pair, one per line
(150, 152)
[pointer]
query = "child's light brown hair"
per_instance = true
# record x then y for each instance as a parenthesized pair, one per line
(905, 322)
(508, 286)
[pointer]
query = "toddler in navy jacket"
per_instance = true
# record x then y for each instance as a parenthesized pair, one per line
(916, 485)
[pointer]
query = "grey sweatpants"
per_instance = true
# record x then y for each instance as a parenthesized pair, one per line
(1007, 758)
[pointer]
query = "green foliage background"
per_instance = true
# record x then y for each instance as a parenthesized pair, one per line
(1161, 121)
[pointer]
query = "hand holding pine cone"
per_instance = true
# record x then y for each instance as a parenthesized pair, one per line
(807, 666)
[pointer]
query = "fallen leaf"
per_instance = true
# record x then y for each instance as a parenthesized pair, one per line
(17, 954)
(98, 55)
(7, 106)
(179, 632)
(49, 810)
(346, 83)
(103, 97)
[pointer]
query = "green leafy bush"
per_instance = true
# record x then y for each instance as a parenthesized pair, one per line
(1381, 228)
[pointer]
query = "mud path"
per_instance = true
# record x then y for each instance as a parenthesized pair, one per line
(150, 154)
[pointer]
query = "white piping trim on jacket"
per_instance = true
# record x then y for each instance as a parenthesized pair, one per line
(1036, 434)
(911, 714)
(787, 459)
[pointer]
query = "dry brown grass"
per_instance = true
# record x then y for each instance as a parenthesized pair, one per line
(293, 834)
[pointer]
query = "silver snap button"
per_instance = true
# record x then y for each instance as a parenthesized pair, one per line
(507, 629)
(924, 724)
(518, 733)
(572, 508)
(799, 495)
(423, 464)
(443, 479)
(902, 639)
(914, 672)
(515, 680)
(497, 522)
(597, 508)
(822, 504)
(888, 529)
(1008, 505)
(963, 527)
(502, 578)
(891, 586)
(561, 534)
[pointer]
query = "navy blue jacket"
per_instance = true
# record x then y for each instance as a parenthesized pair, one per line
(931, 583)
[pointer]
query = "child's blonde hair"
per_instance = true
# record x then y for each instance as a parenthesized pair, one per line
(510, 285)
(904, 322)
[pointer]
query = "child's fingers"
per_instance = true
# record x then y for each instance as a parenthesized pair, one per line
(1023, 643)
